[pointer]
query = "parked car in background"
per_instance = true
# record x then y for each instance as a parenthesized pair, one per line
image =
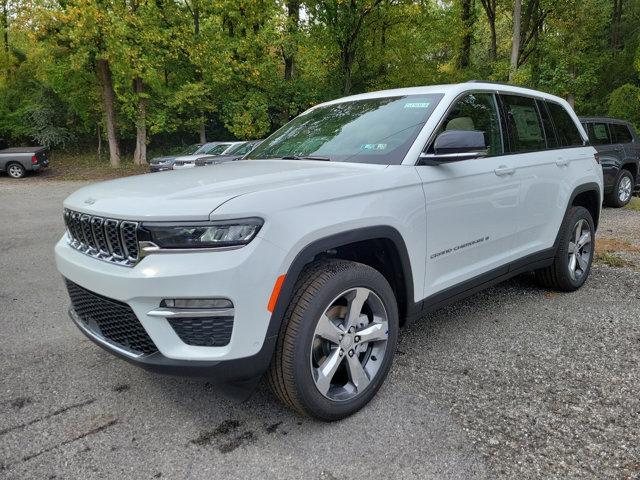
(208, 149)
(159, 164)
(234, 153)
(17, 161)
(618, 144)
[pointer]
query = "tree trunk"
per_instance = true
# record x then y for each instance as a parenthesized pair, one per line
(99, 141)
(348, 58)
(571, 100)
(616, 21)
(109, 105)
(493, 50)
(293, 19)
(5, 25)
(203, 131)
(464, 58)
(515, 41)
(140, 153)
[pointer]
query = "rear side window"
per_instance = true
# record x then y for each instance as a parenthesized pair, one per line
(598, 133)
(568, 133)
(547, 123)
(620, 133)
(526, 133)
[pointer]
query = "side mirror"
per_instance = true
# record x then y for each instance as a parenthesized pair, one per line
(456, 145)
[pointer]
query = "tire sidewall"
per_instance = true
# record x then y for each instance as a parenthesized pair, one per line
(576, 214)
(316, 403)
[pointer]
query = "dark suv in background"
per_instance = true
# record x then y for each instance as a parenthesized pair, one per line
(618, 144)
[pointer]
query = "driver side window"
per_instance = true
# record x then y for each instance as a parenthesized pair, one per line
(477, 111)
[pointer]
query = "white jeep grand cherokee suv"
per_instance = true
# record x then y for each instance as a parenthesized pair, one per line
(303, 260)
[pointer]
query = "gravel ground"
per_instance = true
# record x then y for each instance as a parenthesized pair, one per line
(515, 382)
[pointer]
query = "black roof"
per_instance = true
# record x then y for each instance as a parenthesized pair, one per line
(603, 119)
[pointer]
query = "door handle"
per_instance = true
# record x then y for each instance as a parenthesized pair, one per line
(562, 162)
(503, 170)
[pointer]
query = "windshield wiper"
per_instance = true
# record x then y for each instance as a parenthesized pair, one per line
(308, 157)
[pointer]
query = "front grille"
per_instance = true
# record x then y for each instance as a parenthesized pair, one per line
(110, 318)
(108, 239)
(203, 331)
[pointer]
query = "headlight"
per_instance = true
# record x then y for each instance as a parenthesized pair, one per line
(228, 233)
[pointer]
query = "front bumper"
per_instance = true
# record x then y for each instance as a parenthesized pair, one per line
(160, 167)
(245, 276)
(238, 370)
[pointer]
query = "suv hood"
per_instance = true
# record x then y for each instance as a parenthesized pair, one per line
(194, 193)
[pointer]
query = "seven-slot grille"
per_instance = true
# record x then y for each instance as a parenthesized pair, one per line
(111, 319)
(108, 239)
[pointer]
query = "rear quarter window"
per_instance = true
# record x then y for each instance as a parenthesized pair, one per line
(566, 129)
(621, 133)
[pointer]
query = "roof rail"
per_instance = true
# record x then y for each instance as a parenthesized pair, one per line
(495, 83)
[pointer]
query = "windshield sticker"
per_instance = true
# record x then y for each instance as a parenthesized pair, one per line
(417, 105)
(373, 146)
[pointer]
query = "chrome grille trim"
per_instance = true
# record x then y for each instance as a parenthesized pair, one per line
(108, 239)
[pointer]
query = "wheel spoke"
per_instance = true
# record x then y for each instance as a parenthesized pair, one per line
(357, 374)
(572, 247)
(582, 262)
(326, 371)
(572, 263)
(355, 307)
(578, 231)
(374, 332)
(584, 239)
(328, 330)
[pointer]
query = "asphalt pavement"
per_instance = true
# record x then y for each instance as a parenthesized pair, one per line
(515, 382)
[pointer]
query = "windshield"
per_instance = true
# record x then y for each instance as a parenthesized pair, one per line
(236, 149)
(375, 130)
(215, 149)
(191, 149)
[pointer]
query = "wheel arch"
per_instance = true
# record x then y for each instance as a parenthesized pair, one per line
(393, 262)
(632, 167)
(588, 196)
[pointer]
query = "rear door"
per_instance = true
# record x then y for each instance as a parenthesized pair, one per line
(610, 153)
(472, 205)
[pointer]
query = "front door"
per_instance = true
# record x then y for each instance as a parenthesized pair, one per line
(472, 205)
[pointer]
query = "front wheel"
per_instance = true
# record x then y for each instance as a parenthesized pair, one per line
(337, 341)
(572, 262)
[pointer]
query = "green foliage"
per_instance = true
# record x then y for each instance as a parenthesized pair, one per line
(624, 102)
(221, 63)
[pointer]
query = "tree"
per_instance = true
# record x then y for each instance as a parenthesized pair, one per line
(515, 38)
(467, 18)
(345, 22)
(490, 8)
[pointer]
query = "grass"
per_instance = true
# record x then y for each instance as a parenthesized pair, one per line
(87, 166)
(610, 259)
(608, 249)
(634, 204)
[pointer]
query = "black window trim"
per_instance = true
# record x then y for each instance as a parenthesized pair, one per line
(431, 139)
(501, 114)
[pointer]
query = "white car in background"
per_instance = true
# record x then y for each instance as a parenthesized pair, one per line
(212, 148)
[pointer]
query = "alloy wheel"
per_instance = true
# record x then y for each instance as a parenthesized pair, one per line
(580, 249)
(15, 171)
(624, 189)
(349, 344)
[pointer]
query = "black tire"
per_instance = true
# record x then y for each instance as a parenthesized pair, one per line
(613, 199)
(557, 276)
(15, 170)
(290, 373)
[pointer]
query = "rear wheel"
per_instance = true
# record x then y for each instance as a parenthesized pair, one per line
(15, 170)
(337, 341)
(572, 262)
(622, 191)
